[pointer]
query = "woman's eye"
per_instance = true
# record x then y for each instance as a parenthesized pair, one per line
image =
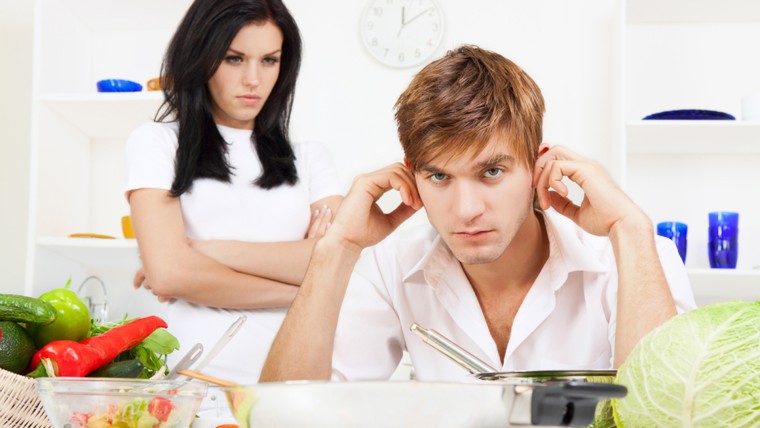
(438, 177)
(233, 59)
(271, 60)
(493, 172)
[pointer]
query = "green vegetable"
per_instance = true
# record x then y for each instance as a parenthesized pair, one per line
(25, 309)
(151, 352)
(121, 369)
(700, 369)
(72, 318)
(16, 347)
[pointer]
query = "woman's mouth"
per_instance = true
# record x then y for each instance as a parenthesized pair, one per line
(249, 100)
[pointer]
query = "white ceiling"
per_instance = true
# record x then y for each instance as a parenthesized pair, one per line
(16, 13)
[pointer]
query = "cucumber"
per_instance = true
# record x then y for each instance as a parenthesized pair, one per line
(122, 369)
(25, 309)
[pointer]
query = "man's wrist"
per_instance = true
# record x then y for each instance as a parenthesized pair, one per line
(635, 228)
(336, 246)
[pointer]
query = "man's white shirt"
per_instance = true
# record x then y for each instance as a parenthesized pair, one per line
(566, 321)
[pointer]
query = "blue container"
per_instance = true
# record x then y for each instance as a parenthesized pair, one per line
(118, 85)
(676, 232)
(723, 239)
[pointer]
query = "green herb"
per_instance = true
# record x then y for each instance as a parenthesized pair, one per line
(151, 352)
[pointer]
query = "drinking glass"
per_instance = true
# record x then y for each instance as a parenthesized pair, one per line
(723, 239)
(676, 232)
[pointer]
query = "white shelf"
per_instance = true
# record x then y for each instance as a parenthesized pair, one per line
(95, 252)
(691, 11)
(110, 115)
(725, 284)
(725, 137)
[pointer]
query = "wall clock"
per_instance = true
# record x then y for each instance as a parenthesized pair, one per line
(401, 33)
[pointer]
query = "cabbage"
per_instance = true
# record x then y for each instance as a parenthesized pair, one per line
(699, 369)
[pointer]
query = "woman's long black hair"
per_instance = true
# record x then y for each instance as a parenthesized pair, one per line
(194, 54)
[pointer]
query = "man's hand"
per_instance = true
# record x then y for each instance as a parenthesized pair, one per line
(360, 222)
(605, 207)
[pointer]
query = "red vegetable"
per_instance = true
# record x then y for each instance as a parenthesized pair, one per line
(160, 407)
(70, 358)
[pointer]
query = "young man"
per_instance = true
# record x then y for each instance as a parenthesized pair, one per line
(520, 286)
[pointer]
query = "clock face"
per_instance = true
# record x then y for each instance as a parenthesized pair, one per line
(401, 33)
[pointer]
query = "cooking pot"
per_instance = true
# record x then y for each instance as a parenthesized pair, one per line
(602, 417)
(417, 404)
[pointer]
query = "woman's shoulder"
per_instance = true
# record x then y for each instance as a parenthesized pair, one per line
(166, 129)
(310, 150)
(154, 133)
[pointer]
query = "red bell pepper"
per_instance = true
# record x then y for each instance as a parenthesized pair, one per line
(70, 358)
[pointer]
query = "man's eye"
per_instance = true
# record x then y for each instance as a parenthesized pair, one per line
(493, 172)
(438, 177)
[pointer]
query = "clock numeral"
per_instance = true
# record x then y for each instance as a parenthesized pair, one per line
(378, 11)
(417, 53)
(435, 26)
(386, 52)
(401, 57)
(374, 42)
(371, 25)
(430, 42)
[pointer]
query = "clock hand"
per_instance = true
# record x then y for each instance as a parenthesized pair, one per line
(418, 15)
(403, 22)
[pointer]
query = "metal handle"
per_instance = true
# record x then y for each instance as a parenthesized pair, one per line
(222, 342)
(186, 361)
(450, 349)
(562, 404)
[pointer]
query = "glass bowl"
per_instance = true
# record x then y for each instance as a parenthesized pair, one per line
(118, 85)
(126, 403)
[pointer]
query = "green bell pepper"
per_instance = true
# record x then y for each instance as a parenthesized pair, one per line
(72, 321)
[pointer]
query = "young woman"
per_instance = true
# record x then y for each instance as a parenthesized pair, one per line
(225, 209)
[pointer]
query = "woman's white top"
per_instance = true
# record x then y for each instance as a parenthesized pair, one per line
(239, 211)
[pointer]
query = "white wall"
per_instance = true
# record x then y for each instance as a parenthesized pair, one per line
(345, 98)
(15, 109)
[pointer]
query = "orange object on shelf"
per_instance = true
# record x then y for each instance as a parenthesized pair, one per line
(154, 84)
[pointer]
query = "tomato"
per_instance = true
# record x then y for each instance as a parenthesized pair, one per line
(160, 407)
(72, 321)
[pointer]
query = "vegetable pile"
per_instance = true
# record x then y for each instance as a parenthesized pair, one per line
(53, 335)
(701, 368)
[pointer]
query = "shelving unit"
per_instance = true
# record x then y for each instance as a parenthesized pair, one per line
(692, 54)
(78, 136)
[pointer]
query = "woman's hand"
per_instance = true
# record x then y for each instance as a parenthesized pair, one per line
(320, 221)
(140, 280)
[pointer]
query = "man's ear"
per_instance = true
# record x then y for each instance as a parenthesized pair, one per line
(542, 148)
(406, 164)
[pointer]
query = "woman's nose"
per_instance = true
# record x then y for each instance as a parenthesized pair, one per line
(251, 76)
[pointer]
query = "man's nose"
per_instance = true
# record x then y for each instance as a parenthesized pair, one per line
(468, 202)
